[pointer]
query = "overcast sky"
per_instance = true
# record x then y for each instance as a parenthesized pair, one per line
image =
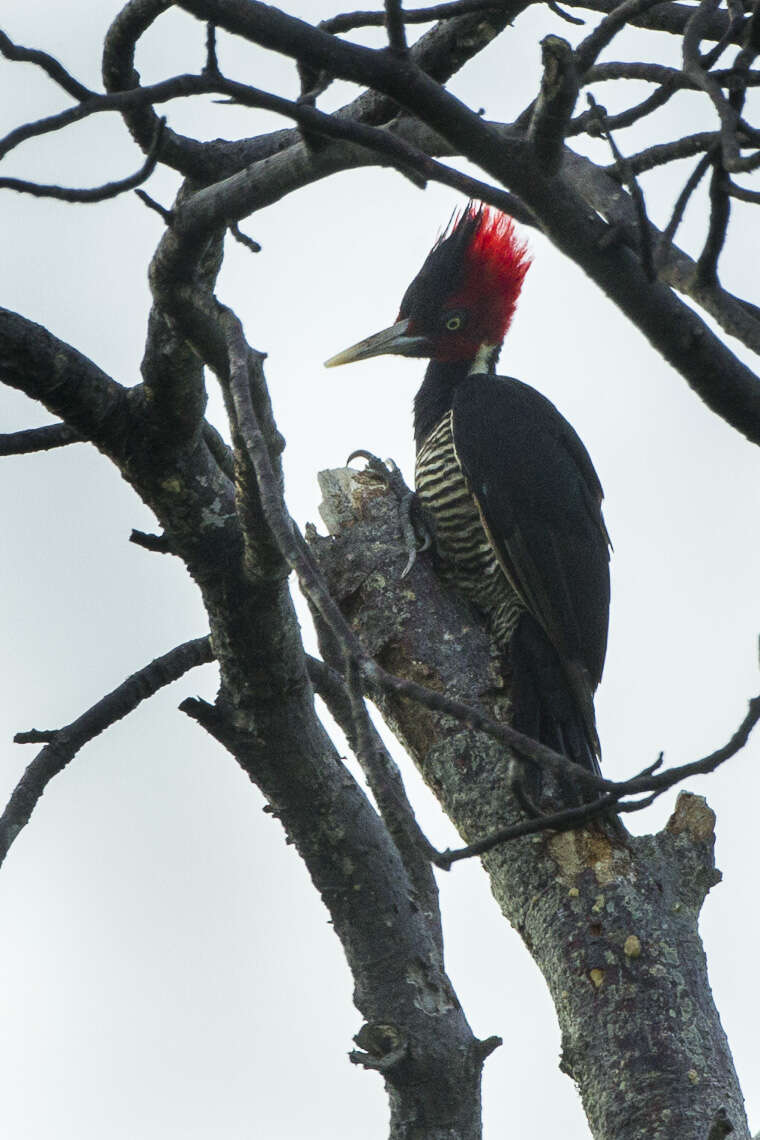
(166, 968)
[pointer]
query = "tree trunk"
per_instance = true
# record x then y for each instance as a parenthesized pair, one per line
(611, 920)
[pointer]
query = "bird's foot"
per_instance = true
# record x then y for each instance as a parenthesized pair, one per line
(525, 785)
(416, 535)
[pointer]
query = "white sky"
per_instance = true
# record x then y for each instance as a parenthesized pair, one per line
(166, 968)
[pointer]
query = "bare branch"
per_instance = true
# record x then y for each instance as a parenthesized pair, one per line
(248, 242)
(440, 52)
(627, 118)
(657, 73)
(345, 701)
(394, 22)
(157, 543)
(670, 17)
(615, 799)
(211, 66)
(720, 208)
(66, 382)
(348, 21)
(51, 66)
(682, 201)
(555, 103)
(165, 215)
(662, 153)
(38, 439)
(743, 193)
(97, 194)
(629, 179)
(625, 13)
(695, 69)
(64, 743)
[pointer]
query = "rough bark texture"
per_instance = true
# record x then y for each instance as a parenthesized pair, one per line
(611, 922)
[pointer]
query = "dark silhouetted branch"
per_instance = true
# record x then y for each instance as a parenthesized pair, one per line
(348, 21)
(555, 103)
(63, 744)
(248, 242)
(51, 66)
(345, 701)
(394, 22)
(628, 178)
(682, 201)
(695, 67)
(720, 209)
(662, 153)
(621, 14)
(664, 17)
(157, 543)
(38, 439)
(648, 784)
(96, 194)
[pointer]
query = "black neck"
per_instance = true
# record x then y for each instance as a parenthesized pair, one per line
(436, 394)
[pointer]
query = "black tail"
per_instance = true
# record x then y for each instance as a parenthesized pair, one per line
(544, 703)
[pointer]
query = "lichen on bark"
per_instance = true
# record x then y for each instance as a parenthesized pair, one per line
(610, 919)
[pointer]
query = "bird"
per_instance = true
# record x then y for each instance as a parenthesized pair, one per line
(504, 482)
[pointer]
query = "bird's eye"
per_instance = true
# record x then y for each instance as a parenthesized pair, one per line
(453, 322)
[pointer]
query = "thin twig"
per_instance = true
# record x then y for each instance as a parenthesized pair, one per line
(211, 66)
(731, 34)
(628, 177)
(587, 51)
(394, 22)
(720, 210)
(51, 66)
(682, 201)
(613, 801)
(248, 242)
(167, 216)
(96, 194)
(627, 118)
(156, 543)
(662, 153)
(742, 192)
(348, 21)
(563, 15)
(63, 744)
(610, 72)
(694, 68)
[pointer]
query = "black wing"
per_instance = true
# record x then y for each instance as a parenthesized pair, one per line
(540, 500)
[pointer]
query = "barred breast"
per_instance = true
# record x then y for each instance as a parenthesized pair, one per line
(468, 562)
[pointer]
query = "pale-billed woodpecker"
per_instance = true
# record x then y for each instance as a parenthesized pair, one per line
(505, 484)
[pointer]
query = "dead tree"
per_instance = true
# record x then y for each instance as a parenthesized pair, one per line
(610, 920)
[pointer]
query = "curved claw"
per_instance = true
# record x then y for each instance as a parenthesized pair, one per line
(360, 453)
(390, 473)
(410, 531)
(382, 467)
(410, 561)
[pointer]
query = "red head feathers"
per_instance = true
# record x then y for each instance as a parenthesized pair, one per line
(466, 292)
(462, 299)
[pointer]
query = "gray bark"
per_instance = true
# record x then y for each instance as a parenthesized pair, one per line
(611, 920)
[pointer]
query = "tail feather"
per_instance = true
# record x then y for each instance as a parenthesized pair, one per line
(545, 700)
